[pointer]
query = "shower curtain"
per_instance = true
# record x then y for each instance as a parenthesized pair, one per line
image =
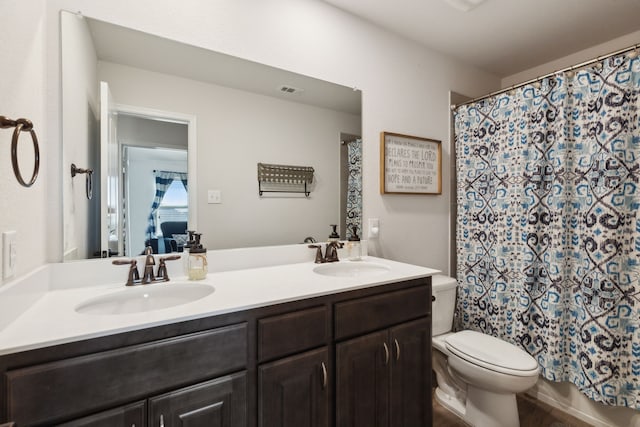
(548, 226)
(354, 188)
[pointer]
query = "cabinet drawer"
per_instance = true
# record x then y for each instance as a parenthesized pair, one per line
(292, 332)
(54, 391)
(368, 314)
(134, 415)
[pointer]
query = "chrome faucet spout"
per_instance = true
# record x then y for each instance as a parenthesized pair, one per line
(149, 262)
(331, 252)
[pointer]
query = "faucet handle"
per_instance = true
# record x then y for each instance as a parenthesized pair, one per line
(134, 276)
(319, 257)
(163, 275)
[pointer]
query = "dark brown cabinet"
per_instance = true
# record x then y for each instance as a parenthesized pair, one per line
(410, 386)
(383, 379)
(218, 403)
(362, 381)
(294, 391)
(359, 358)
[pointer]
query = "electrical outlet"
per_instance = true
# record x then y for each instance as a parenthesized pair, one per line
(214, 197)
(9, 254)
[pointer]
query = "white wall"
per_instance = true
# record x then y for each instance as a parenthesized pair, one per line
(235, 131)
(23, 94)
(565, 395)
(405, 90)
(80, 101)
(405, 87)
(573, 59)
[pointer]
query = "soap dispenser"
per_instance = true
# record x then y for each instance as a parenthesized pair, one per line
(198, 267)
(334, 236)
(354, 247)
(185, 256)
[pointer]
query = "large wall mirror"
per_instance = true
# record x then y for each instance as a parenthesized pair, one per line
(173, 134)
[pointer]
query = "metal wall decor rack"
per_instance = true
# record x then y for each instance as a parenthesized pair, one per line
(88, 179)
(22, 125)
(285, 177)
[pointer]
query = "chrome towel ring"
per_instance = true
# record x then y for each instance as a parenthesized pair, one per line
(89, 178)
(22, 125)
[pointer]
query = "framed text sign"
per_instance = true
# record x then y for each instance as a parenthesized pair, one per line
(410, 165)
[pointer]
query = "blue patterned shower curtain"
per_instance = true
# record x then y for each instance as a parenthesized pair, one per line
(548, 227)
(354, 188)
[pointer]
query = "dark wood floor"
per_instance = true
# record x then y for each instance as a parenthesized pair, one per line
(533, 413)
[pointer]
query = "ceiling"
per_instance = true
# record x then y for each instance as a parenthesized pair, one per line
(503, 37)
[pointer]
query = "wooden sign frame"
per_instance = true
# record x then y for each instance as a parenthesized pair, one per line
(410, 164)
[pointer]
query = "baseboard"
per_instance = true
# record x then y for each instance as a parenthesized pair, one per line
(624, 419)
(562, 406)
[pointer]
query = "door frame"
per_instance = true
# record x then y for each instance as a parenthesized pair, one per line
(192, 155)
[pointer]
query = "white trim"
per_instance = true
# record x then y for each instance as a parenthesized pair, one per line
(568, 409)
(192, 155)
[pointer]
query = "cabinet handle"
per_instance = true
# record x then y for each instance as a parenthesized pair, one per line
(395, 342)
(386, 353)
(324, 376)
(161, 421)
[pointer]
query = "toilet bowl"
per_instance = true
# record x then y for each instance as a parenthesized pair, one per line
(478, 375)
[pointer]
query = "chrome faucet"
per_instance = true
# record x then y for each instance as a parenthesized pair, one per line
(330, 252)
(149, 262)
(148, 277)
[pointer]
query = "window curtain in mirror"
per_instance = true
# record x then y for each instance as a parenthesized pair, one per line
(163, 181)
(548, 225)
(354, 187)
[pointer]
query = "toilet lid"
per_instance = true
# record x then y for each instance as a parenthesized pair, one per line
(490, 352)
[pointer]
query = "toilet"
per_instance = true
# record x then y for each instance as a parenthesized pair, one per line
(478, 375)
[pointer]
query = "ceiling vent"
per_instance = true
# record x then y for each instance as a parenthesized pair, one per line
(290, 89)
(464, 5)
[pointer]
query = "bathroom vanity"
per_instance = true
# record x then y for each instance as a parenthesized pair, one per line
(272, 346)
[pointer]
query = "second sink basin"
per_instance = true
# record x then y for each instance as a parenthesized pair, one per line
(351, 269)
(143, 298)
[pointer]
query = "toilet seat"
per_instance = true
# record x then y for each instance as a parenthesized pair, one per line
(491, 353)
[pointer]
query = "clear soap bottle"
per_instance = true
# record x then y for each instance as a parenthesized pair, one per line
(198, 267)
(354, 247)
(186, 248)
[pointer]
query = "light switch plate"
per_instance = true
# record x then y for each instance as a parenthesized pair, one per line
(9, 254)
(214, 197)
(374, 228)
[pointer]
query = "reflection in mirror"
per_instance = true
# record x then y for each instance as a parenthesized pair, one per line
(246, 113)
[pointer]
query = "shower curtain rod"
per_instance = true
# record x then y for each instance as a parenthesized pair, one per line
(563, 70)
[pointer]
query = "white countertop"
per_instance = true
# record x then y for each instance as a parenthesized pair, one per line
(51, 318)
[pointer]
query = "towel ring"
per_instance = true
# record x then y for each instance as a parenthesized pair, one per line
(22, 125)
(88, 179)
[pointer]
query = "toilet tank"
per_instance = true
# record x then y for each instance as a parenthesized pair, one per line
(444, 291)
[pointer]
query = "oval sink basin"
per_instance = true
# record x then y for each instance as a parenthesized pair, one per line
(351, 269)
(143, 298)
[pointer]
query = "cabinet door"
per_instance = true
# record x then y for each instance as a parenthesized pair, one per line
(411, 374)
(218, 403)
(294, 391)
(362, 381)
(125, 416)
